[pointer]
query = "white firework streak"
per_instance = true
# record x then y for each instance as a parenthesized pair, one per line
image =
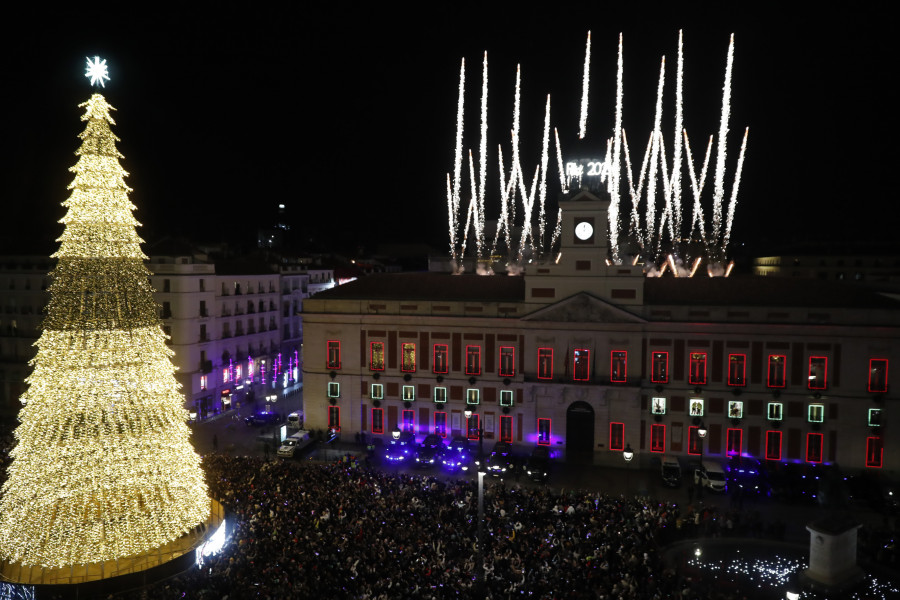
(457, 156)
(650, 220)
(502, 225)
(514, 168)
(475, 211)
(482, 158)
(556, 230)
(527, 209)
(614, 186)
(585, 83)
(721, 148)
(734, 191)
(697, 188)
(545, 160)
(559, 164)
(471, 212)
(667, 214)
(451, 220)
(675, 182)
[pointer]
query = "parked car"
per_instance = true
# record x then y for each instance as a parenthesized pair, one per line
(537, 467)
(670, 469)
(710, 475)
(294, 444)
(263, 418)
(500, 462)
(430, 452)
(458, 455)
(401, 449)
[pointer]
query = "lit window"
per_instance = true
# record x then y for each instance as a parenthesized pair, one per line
(506, 397)
(544, 432)
(239, 372)
(775, 411)
(334, 389)
(506, 428)
(735, 409)
(581, 365)
(441, 365)
(617, 436)
(878, 373)
(659, 367)
(440, 394)
(377, 420)
(695, 406)
(545, 363)
(334, 418)
(473, 360)
(618, 369)
(376, 356)
(816, 413)
(472, 427)
(737, 369)
(408, 357)
(658, 406)
(334, 355)
(818, 373)
(874, 417)
(409, 393)
(507, 361)
(733, 441)
(695, 442)
(777, 363)
(472, 396)
(697, 371)
(203, 382)
(814, 442)
(440, 424)
(773, 445)
(376, 391)
(409, 420)
(874, 452)
(226, 375)
(657, 438)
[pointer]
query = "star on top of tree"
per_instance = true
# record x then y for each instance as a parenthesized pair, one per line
(97, 71)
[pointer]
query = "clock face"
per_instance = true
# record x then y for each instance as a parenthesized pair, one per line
(584, 230)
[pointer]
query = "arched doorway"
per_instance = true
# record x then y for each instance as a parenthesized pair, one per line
(579, 432)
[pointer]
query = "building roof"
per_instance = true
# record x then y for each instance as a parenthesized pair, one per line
(430, 286)
(761, 291)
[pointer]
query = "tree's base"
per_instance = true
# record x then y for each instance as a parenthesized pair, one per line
(111, 576)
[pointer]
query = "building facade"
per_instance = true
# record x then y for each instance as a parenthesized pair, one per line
(590, 359)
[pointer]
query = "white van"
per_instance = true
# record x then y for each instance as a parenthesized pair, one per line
(293, 444)
(710, 475)
(295, 420)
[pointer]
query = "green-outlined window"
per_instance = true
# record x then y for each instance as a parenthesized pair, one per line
(440, 394)
(334, 389)
(695, 407)
(658, 406)
(376, 391)
(409, 393)
(816, 413)
(735, 409)
(506, 397)
(775, 411)
(874, 417)
(473, 396)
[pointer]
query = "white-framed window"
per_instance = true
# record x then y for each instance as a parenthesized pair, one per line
(874, 417)
(376, 391)
(658, 406)
(816, 413)
(473, 396)
(334, 389)
(506, 397)
(695, 406)
(775, 411)
(440, 394)
(735, 409)
(409, 393)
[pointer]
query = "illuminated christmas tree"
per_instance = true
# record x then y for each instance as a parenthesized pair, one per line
(103, 467)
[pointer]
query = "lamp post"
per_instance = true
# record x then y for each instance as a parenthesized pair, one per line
(482, 470)
(628, 453)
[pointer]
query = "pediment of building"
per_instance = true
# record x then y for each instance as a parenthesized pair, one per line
(583, 308)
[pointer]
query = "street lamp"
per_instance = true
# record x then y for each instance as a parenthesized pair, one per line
(628, 453)
(482, 470)
(396, 433)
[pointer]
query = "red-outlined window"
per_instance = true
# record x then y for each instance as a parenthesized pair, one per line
(408, 419)
(507, 361)
(408, 357)
(333, 358)
(777, 373)
(506, 428)
(697, 369)
(878, 375)
(441, 364)
(874, 452)
(695, 442)
(659, 367)
(545, 363)
(818, 373)
(334, 418)
(737, 369)
(657, 438)
(473, 425)
(733, 440)
(440, 423)
(618, 366)
(473, 360)
(773, 445)
(376, 356)
(814, 442)
(581, 364)
(378, 420)
(617, 436)
(544, 429)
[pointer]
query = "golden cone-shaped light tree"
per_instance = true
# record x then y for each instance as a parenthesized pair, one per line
(103, 467)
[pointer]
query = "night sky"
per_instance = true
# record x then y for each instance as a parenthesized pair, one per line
(347, 115)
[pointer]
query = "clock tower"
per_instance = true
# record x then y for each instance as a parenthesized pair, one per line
(582, 262)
